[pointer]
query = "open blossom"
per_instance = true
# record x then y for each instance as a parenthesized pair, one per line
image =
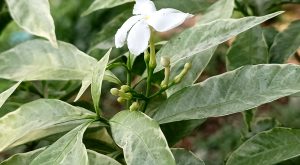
(137, 28)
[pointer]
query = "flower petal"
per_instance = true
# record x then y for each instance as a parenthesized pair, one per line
(138, 38)
(144, 7)
(167, 19)
(121, 34)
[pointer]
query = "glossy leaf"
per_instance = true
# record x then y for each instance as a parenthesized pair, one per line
(269, 147)
(97, 78)
(201, 60)
(22, 158)
(198, 39)
(34, 16)
(100, 159)
(286, 43)
(141, 139)
(5, 95)
(231, 92)
(184, 157)
(39, 119)
(249, 48)
(69, 149)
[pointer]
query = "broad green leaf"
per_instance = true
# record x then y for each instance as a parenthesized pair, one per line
(100, 5)
(175, 131)
(201, 38)
(236, 91)
(22, 158)
(201, 59)
(100, 159)
(39, 119)
(262, 7)
(286, 43)
(34, 16)
(184, 157)
(249, 48)
(5, 95)
(141, 139)
(97, 78)
(69, 149)
(268, 148)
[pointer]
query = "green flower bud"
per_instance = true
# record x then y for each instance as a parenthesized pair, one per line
(125, 88)
(121, 100)
(165, 61)
(114, 91)
(134, 106)
(187, 66)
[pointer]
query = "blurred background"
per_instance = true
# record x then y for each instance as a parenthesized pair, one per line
(215, 138)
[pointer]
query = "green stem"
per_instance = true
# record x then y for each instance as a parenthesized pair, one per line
(128, 77)
(152, 64)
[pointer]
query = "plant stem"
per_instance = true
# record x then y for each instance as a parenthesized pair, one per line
(152, 64)
(128, 77)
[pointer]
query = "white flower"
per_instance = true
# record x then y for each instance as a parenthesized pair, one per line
(136, 29)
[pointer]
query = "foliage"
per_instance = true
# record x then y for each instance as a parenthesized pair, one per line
(59, 61)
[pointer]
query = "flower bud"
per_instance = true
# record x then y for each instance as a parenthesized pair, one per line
(165, 61)
(125, 88)
(134, 106)
(121, 100)
(187, 66)
(114, 91)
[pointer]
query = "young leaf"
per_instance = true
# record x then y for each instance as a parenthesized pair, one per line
(5, 95)
(39, 119)
(96, 158)
(231, 92)
(184, 157)
(69, 149)
(141, 139)
(97, 78)
(249, 48)
(200, 60)
(197, 39)
(269, 147)
(286, 43)
(34, 16)
(22, 158)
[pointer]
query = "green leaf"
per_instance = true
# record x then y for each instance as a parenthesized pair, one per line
(69, 149)
(286, 43)
(184, 157)
(39, 119)
(249, 48)
(97, 78)
(96, 158)
(141, 139)
(38, 60)
(201, 60)
(100, 5)
(269, 147)
(231, 92)
(22, 158)
(177, 130)
(5, 95)
(201, 38)
(34, 16)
